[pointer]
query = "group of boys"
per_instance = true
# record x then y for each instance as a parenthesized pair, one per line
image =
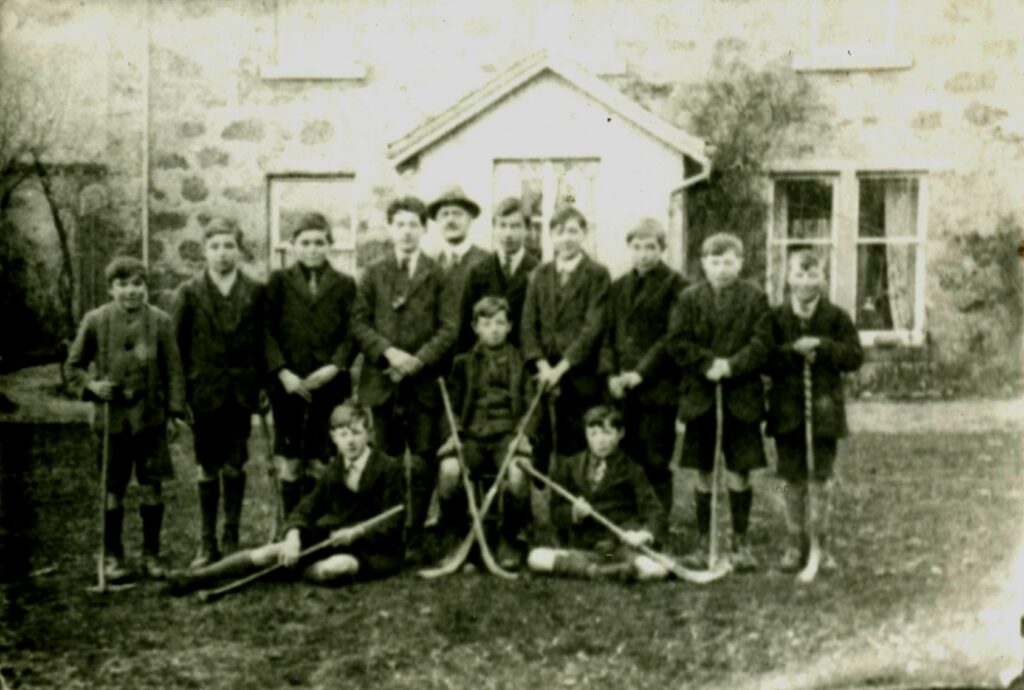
(618, 364)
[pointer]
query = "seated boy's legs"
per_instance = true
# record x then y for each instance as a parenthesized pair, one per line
(792, 469)
(221, 446)
(744, 452)
(607, 560)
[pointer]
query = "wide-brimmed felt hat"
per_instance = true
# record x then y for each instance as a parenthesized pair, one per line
(453, 196)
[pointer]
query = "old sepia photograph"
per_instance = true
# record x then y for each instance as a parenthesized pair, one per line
(462, 344)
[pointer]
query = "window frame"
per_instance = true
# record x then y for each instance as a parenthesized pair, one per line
(842, 57)
(846, 235)
(278, 248)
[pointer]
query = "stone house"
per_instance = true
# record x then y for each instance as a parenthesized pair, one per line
(260, 109)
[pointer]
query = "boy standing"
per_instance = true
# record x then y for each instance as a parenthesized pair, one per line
(405, 324)
(218, 318)
(634, 359)
(506, 272)
(309, 350)
(809, 328)
(720, 334)
(358, 484)
(136, 372)
(454, 212)
(563, 323)
(489, 393)
(604, 480)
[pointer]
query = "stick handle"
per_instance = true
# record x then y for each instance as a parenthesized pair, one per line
(207, 595)
(809, 417)
(713, 545)
(101, 572)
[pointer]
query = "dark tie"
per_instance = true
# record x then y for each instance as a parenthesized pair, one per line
(506, 266)
(596, 472)
(403, 265)
(313, 282)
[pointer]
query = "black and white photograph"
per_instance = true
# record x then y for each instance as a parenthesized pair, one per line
(461, 344)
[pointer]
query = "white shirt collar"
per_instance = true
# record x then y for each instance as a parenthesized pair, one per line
(353, 476)
(455, 252)
(223, 283)
(413, 260)
(568, 266)
(514, 260)
(804, 312)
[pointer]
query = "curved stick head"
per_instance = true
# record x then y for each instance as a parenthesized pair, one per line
(810, 570)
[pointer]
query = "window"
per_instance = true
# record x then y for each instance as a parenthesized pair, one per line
(293, 195)
(545, 185)
(803, 214)
(853, 34)
(316, 39)
(889, 266)
(873, 227)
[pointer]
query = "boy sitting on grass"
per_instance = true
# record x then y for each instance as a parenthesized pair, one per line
(720, 334)
(135, 370)
(488, 390)
(809, 328)
(604, 480)
(360, 483)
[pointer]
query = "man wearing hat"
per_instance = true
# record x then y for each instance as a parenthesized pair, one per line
(309, 349)
(454, 212)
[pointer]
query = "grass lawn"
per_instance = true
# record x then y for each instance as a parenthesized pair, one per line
(926, 530)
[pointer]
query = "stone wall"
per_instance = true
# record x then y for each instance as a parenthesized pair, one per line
(218, 128)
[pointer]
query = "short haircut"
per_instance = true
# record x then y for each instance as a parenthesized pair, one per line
(312, 222)
(647, 229)
(489, 306)
(350, 412)
(409, 204)
(509, 207)
(603, 415)
(806, 258)
(223, 226)
(720, 243)
(125, 267)
(567, 213)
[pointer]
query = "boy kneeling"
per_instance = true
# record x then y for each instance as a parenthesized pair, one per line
(606, 481)
(358, 484)
(488, 390)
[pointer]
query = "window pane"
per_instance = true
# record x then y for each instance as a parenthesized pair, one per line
(888, 207)
(803, 210)
(849, 23)
(886, 287)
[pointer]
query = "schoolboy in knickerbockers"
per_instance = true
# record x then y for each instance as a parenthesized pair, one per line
(562, 328)
(136, 370)
(454, 212)
(218, 318)
(634, 359)
(359, 483)
(807, 327)
(720, 334)
(507, 272)
(405, 324)
(309, 349)
(605, 480)
(489, 392)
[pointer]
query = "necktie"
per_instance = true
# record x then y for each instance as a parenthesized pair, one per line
(403, 265)
(445, 261)
(350, 475)
(563, 276)
(596, 473)
(506, 265)
(312, 283)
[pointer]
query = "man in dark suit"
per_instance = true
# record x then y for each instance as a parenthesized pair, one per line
(454, 212)
(506, 272)
(218, 318)
(309, 350)
(563, 324)
(405, 324)
(634, 360)
(720, 334)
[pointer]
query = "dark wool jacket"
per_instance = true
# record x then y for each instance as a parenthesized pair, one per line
(737, 327)
(221, 350)
(465, 386)
(638, 319)
(624, 496)
(333, 505)
(567, 322)
(840, 351)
